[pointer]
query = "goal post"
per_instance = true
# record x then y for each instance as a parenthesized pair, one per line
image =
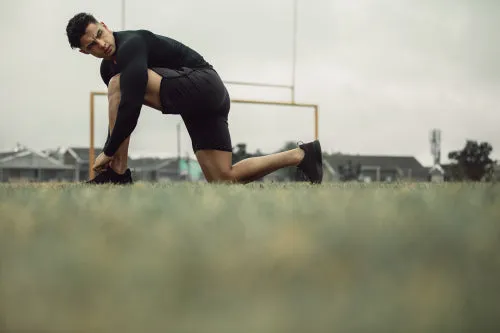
(93, 94)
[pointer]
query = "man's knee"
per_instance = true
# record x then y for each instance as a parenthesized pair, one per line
(223, 176)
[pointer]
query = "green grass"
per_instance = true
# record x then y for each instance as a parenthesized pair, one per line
(255, 258)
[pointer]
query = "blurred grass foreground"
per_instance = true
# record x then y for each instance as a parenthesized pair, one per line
(255, 258)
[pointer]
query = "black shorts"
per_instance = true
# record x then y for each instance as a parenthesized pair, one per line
(201, 99)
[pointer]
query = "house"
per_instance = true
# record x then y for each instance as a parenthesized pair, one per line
(154, 169)
(165, 169)
(378, 168)
(71, 164)
(437, 174)
(27, 165)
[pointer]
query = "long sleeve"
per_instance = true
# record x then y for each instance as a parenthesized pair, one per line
(106, 71)
(133, 60)
(106, 75)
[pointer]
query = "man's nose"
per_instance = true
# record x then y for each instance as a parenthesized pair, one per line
(101, 43)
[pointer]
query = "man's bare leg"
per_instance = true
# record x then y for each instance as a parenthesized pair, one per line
(254, 168)
(216, 165)
(151, 99)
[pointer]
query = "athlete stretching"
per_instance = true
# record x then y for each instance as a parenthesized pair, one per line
(143, 68)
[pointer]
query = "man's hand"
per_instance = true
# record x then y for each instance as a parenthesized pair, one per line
(101, 162)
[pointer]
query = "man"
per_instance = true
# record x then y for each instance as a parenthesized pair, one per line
(143, 68)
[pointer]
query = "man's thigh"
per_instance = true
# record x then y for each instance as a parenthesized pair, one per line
(211, 143)
(208, 133)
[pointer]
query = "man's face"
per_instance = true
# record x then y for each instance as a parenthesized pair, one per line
(98, 41)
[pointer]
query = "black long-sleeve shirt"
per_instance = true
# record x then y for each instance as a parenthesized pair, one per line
(136, 51)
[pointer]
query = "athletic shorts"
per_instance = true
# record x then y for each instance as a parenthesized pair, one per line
(201, 99)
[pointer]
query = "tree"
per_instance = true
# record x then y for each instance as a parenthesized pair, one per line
(240, 152)
(473, 161)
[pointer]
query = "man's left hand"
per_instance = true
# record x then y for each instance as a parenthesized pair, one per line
(101, 162)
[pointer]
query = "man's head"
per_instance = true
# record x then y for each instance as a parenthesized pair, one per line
(90, 36)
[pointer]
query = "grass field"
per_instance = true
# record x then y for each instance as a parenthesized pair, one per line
(255, 258)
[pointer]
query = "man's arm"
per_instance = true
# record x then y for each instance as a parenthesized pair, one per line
(133, 59)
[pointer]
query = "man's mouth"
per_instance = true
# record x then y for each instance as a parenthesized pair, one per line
(108, 50)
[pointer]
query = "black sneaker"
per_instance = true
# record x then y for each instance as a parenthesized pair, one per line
(312, 163)
(109, 176)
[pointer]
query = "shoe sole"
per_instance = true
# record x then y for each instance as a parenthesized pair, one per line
(109, 183)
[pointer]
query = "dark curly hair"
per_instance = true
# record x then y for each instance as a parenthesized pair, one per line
(76, 28)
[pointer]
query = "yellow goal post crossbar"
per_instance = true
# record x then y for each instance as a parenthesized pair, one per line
(235, 101)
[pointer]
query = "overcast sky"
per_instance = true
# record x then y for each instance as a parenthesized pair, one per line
(383, 72)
